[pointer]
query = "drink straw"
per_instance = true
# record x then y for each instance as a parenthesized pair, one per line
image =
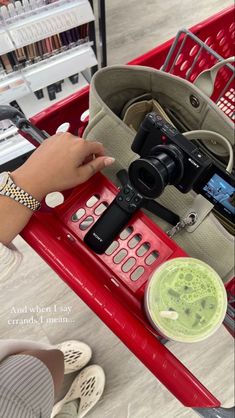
(169, 315)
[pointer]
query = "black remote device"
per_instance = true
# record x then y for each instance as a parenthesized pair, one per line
(114, 219)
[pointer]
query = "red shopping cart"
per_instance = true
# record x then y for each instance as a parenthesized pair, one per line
(111, 289)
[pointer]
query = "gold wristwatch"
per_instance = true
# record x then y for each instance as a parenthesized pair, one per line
(10, 189)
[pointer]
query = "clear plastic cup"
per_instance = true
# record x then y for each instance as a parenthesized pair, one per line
(185, 300)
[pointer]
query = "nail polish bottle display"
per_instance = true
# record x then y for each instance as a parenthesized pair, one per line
(51, 92)
(74, 78)
(39, 94)
(33, 59)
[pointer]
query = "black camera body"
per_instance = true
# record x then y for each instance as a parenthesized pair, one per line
(167, 157)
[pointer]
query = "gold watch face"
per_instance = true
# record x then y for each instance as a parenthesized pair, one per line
(3, 180)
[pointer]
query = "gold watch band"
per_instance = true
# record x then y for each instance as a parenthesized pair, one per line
(19, 195)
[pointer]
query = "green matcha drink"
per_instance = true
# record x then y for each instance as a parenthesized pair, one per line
(185, 300)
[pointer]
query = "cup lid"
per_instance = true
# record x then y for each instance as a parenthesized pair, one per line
(195, 291)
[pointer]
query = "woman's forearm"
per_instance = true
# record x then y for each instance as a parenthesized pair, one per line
(61, 162)
(13, 218)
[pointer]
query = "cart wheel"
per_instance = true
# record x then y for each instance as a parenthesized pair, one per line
(216, 412)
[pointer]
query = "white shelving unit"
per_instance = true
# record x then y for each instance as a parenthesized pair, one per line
(30, 26)
(14, 145)
(32, 105)
(37, 24)
(37, 76)
(29, 23)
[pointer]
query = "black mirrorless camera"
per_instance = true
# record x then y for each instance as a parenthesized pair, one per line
(166, 157)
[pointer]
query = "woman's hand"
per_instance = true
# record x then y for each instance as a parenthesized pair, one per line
(61, 162)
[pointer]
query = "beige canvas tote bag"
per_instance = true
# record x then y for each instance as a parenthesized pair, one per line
(113, 91)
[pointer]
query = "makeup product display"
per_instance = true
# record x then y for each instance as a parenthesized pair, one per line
(39, 94)
(45, 47)
(40, 51)
(40, 40)
(185, 300)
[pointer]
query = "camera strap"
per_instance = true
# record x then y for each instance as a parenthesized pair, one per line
(194, 216)
(182, 224)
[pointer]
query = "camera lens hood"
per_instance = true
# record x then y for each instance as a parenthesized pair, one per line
(176, 155)
(150, 175)
(146, 178)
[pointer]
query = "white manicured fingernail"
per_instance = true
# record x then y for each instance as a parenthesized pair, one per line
(109, 161)
(63, 128)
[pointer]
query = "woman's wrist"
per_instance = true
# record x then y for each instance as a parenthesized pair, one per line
(14, 216)
(29, 183)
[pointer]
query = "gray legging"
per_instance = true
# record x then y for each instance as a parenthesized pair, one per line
(216, 412)
(29, 382)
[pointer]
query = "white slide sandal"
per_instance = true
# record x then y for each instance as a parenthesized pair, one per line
(76, 355)
(88, 387)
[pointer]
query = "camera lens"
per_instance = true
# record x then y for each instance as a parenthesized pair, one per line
(146, 178)
(150, 175)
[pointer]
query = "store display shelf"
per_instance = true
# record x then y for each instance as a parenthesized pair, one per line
(46, 72)
(13, 146)
(37, 24)
(31, 105)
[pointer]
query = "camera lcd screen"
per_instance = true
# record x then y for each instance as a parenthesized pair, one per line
(221, 194)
